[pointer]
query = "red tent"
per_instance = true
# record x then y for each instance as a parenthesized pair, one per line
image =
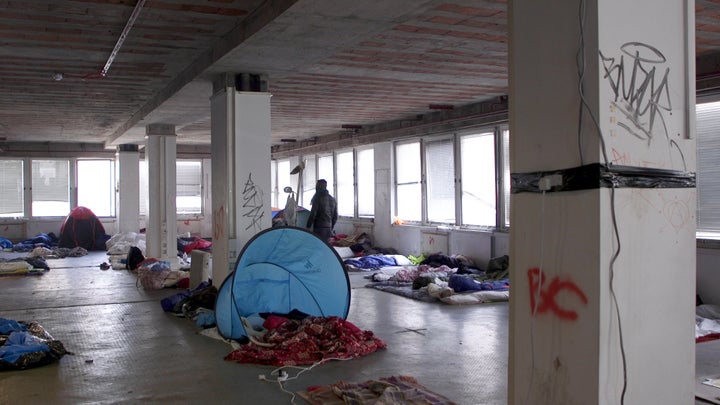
(82, 228)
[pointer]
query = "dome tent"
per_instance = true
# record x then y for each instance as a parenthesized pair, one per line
(81, 228)
(279, 270)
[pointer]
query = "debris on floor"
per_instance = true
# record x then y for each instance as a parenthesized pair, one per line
(391, 390)
(27, 345)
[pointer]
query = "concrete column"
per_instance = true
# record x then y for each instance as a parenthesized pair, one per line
(160, 152)
(240, 135)
(602, 241)
(128, 187)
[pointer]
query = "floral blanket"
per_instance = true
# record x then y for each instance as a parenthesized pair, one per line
(393, 390)
(308, 341)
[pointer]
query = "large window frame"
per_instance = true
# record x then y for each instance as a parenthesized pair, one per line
(347, 176)
(448, 174)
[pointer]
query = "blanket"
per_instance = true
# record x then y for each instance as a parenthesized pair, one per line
(308, 341)
(392, 390)
(376, 261)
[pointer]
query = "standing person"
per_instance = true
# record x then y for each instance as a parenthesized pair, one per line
(323, 213)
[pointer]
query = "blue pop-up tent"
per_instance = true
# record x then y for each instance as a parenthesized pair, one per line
(279, 270)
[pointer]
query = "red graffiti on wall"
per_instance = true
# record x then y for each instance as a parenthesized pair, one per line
(547, 294)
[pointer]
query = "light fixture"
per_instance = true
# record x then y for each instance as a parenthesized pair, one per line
(57, 76)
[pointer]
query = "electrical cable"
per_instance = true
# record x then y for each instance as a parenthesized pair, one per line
(616, 232)
(283, 376)
(580, 61)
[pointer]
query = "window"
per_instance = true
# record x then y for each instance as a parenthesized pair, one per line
(188, 189)
(366, 182)
(477, 157)
(454, 180)
(345, 194)
(308, 181)
(505, 153)
(326, 171)
(440, 162)
(708, 170)
(408, 180)
(273, 184)
(144, 187)
(283, 180)
(96, 186)
(12, 185)
(50, 188)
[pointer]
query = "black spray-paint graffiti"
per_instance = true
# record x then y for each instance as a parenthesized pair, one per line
(253, 204)
(641, 91)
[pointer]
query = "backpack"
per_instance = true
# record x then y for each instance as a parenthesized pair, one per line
(134, 257)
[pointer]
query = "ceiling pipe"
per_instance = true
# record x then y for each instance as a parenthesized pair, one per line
(136, 12)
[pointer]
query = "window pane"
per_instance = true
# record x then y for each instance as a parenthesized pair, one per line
(283, 176)
(407, 163)
(477, 158)
(309, 180)
(366, 182)
(506, 176)
(345, 195)
(50, 188)
(408, 174)
(144, 186)
(188, 189)
(11, 183)
(440, 163)
(273, 184)
(408, 202)
(96, 186)
(708, 169)
(325, 171)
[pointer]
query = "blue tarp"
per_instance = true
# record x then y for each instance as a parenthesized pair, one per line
(280, 270)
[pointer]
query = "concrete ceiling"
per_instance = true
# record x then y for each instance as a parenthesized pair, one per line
(329, 62)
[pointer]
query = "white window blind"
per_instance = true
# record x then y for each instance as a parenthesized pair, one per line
(308, 182)
(326, 171)
(144, 184)
(345, 195)
(366, 182)
(50, 188)
(407, 181)
(506, 176)
(11, 182)
(440, 163)
(188, 189)
(477, 158)
(96, 186)
(273, 184)
(708, 168)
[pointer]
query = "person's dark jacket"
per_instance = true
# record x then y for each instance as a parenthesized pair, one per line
(323, 213)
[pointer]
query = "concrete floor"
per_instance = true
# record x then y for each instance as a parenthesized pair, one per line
(127, 350)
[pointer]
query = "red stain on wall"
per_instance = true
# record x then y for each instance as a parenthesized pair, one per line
(548, 293)
(219, 223)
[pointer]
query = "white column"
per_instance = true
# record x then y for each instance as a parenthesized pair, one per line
(128, 188)
(240, 170)
(160, 152)
(603, 262)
